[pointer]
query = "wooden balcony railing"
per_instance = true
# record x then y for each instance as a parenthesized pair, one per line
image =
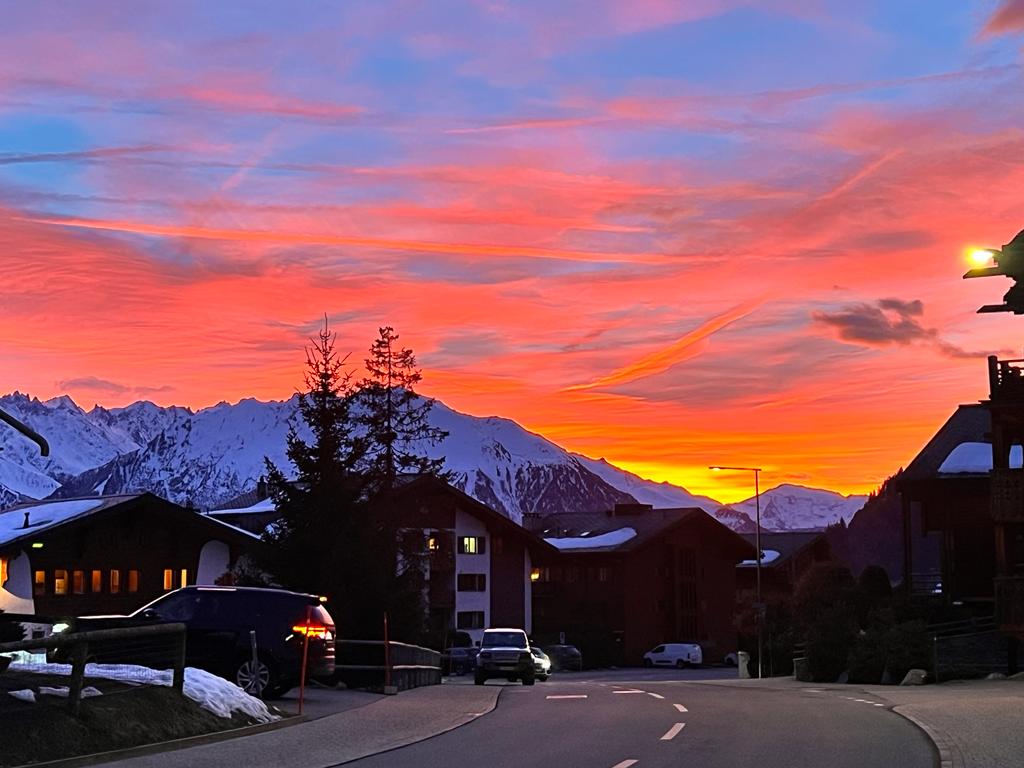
(1007, 495)
(1010, 603)
(1005, 379)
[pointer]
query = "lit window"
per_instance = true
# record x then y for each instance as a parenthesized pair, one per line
(3, 571)
(96, 577)
(433, 544)
(535, 574)
(39, 583)
(184, 577)
(471, 545)
(133, 581)
(115, 582)
(78, 582)
(60, 582)
(168, 578)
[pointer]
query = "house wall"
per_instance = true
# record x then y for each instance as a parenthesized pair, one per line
(468, 525)
(509, 586)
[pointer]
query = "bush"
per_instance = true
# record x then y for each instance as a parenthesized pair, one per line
(868, 657)
(907, 647)
(825, 608)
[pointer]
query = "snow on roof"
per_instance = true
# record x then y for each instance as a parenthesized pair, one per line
(767, 556)
(266, 505)
(975, 458)
(610, 539)
(42, 517)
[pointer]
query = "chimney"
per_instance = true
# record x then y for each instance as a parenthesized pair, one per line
(261, 488)
(25, 523)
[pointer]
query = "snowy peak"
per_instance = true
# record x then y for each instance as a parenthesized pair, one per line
(794, 507)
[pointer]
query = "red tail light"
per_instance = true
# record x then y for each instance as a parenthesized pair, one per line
(318, 631)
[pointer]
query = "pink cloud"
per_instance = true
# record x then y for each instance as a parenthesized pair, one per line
(1008, 18)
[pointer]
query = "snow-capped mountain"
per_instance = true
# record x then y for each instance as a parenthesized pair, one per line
(209, 456)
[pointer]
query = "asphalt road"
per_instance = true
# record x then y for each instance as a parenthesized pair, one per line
(645, 720)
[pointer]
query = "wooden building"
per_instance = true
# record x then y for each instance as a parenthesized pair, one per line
(108, 554)
(631, 578)
(786, 557)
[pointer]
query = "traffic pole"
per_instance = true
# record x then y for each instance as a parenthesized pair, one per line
(305, 655)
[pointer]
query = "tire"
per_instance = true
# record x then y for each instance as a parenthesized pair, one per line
(681, 664)
(260, 680)
(479, 679)
(544, 678)
(528, 678)
(648, 663)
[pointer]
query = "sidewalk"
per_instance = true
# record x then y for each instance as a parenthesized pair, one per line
(973, 723)
(391, 722)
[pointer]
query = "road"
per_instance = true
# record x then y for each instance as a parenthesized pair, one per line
(649, 719)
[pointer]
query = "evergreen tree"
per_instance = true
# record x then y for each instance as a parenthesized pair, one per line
(394, 417)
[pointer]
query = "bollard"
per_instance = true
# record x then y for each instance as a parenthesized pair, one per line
(743, 664)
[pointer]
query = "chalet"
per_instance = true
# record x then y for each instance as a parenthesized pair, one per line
(478, 564)
(108, 554)
(785, 558)
(625, 580)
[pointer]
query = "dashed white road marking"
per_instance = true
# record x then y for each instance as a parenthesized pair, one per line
(655, 695)
(680, 707)
(567, 696)
(625, 764)
(673, 732)
(628, 691)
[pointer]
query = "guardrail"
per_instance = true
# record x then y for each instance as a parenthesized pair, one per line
(375, 665)
(85, 647)
(970, 655)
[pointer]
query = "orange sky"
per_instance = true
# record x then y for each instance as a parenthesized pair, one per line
(653, 260)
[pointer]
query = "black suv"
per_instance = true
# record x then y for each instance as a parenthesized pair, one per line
(219, 623)
(504, 653)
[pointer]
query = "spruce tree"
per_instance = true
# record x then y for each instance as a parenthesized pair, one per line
(394, 418)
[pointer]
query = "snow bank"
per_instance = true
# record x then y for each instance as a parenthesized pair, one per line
(267, 505)
(767, 556)
(975, 458)
(43, 516)
(610, 539)
(209, 691)
(25, 694)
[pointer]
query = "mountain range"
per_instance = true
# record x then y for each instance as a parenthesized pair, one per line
(206, 457)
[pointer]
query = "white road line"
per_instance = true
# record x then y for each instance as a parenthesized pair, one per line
(567, 696)
(625, 764)
(655, 695)
(673, 732)
(628, 691)
(680, 707)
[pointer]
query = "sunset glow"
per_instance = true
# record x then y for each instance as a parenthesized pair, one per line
(669, 234)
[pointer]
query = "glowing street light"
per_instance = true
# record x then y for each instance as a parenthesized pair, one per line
(982, 257)
(757, 543)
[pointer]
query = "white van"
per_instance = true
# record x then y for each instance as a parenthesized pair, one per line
(678, 655)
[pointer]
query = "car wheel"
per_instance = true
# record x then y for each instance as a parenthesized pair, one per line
(528, 680)
(479, 679)
(257, 678)
(681, 664)
(544, 678)
(648, 663)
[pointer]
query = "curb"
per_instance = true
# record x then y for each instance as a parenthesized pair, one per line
(949, 754)
(472, 719)
(156, 747)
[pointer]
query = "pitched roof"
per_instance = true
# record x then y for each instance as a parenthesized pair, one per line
(647, 523)
(967, 424)
(46, 515)
(785, 543)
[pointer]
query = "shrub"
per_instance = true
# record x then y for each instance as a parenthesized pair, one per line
(867, 657)
(907, 647)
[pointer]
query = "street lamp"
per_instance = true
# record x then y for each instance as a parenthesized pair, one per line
(757, 543)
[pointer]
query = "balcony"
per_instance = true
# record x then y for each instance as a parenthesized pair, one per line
(1006, 380)
(1007, 495)
(1010, 603)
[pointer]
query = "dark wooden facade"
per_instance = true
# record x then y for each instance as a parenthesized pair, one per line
(675, 581)
(118, 557)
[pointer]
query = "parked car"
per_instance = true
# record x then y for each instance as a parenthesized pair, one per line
(219, 622)
(504, 653)
(679, 655)
(564, 657)
(459, 661)
(541, 664)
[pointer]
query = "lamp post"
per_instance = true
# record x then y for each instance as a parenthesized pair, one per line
(758, 607)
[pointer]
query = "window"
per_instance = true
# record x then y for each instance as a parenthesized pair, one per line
(168, 579)
(469, 620)
(602, 574)
(432, 543)
(96, 579)
(184, 577)
(472, 545)
(572, 574)
(3, 571)
(39, 583)
(115, 582)
(60, 582)
(133, 581)
(78, 582)
(535, 574)
(472, 582)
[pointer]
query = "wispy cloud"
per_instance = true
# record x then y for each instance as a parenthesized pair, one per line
(1008, 18)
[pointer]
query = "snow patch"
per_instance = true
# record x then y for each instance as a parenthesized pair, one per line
(42, 516)
(610, 539)
(976, 458)
(767, 556)
(25, 694)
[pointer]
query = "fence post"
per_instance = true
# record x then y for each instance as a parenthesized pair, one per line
(305, 656)
(388, 687)
(78, 657)
(935, 657)
(179, 663)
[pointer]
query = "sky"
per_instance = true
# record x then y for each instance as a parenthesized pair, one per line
(670, 234)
